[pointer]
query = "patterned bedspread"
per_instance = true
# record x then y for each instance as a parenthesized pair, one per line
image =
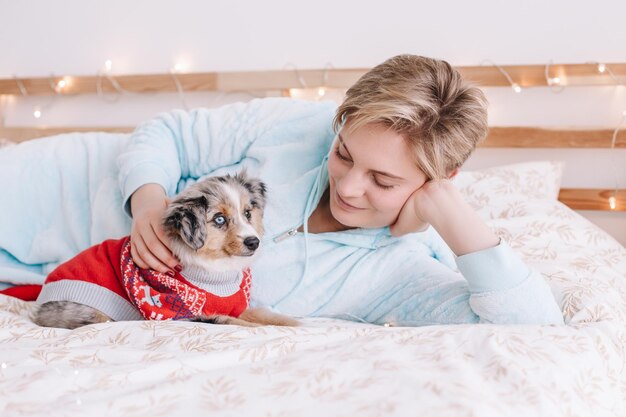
(338, 368)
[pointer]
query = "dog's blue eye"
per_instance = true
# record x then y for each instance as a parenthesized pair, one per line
(219, 220)
(248, 214)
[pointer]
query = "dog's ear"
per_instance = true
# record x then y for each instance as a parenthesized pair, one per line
(255, 187)
(186, 217)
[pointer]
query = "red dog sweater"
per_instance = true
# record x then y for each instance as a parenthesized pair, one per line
(106, 278)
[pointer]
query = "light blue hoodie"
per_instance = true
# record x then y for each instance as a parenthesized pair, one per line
(360, 274)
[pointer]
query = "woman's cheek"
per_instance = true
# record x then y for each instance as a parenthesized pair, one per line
(390, 201)
(334, 167)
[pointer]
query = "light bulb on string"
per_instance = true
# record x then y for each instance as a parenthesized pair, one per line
(178, 68)
(37, 112)
(60, 86)
(516, 87)
(601, 68)
(108, 65)
(612, 202)
(321, 91)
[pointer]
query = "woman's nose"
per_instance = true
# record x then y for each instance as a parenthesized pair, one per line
(351, 185)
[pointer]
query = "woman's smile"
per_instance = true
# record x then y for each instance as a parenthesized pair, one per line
(344, 205)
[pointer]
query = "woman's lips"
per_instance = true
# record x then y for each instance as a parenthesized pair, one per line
(341, 203)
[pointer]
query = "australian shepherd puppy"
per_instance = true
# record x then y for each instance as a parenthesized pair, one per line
(215, 229)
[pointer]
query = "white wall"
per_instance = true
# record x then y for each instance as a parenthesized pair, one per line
(75, 37)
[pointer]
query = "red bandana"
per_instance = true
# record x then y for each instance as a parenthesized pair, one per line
(159, 296)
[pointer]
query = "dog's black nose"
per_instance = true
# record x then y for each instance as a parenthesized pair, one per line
(251, 242)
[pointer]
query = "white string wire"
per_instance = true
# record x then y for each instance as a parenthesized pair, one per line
(20, 86)
(100, 92)
(298, 75)
(550, 81)
(613, 164)
(516, 87)
(327, 69)
(179, 88)
(322, 90)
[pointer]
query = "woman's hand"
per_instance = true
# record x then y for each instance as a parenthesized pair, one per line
(149, 245)
(439, 203)
(415, 213)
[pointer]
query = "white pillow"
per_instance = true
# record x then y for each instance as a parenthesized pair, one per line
(503, 191)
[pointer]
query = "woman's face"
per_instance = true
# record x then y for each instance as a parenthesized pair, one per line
(371, 175)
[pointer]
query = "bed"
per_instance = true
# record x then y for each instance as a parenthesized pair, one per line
(329, 367)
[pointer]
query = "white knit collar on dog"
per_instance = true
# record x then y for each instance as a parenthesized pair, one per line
(219, 283)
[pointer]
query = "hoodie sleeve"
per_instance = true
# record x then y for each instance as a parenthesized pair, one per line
(179, 145)
(504, 290)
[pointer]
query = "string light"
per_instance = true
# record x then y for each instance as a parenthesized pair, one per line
(37, 112)
(178, 68)
(108, 65)
(603, 68)
(612, 202)
(552, 81)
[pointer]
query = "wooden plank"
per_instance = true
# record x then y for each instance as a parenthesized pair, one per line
(575, 198)
(534, 75)
(485, 76)
(22, 134)
(148, 83)
(592, 199)
(535, 137)
(499, 137)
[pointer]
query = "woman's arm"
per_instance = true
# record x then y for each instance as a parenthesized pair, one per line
(441, 205)
(182, 145)
(503, 288)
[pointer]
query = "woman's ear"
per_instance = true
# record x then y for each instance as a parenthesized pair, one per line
(453, 173)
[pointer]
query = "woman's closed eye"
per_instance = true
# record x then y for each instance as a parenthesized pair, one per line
(376, 182)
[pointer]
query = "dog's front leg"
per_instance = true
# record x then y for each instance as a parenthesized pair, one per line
(264, 316)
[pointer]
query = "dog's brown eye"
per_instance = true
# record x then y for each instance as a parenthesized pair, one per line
(248, 214)
(219, 220)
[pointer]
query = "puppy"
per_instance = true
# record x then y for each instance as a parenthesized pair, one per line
(215, 229)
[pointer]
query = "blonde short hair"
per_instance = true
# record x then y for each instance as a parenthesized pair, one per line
(427, 102)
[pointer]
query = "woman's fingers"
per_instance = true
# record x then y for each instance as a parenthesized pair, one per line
(135, 255)
(147, 257)
(160, 248)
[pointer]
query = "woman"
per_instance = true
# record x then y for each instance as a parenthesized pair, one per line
(342, 204)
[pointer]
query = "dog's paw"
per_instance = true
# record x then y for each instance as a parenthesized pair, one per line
(221, 319)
